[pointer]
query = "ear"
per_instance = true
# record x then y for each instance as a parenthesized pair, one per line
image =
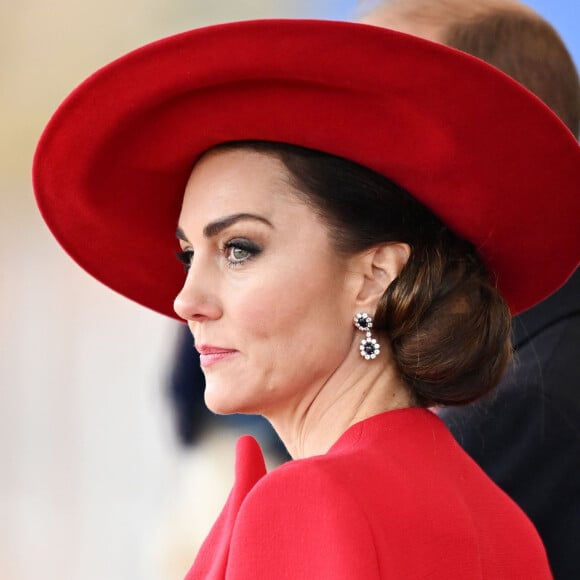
(380, 266)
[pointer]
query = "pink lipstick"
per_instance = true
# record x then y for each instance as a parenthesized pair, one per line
(210, 355)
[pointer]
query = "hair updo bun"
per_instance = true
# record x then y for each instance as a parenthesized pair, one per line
(448, 326)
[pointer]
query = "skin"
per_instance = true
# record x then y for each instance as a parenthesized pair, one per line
(270, 304)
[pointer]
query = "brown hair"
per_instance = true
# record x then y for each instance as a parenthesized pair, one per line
(448, 326)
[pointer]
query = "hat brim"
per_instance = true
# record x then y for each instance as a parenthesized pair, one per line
(480, 151)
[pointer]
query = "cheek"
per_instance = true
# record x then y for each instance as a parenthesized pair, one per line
(267, 313)
(293, 317)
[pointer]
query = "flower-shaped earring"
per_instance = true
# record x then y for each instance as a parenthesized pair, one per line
(369, 347)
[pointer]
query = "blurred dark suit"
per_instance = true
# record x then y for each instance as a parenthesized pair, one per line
(526, 435)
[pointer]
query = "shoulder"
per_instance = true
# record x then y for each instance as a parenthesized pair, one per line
(314, 482)
(310, 493)
(300, 522)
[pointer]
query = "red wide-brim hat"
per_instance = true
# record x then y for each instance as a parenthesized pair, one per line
(484, 154)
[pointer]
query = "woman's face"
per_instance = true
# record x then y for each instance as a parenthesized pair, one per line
(267, 299)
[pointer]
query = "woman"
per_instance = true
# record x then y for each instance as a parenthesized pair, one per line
(357, 211)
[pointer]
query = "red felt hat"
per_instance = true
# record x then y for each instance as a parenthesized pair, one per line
(480, 151)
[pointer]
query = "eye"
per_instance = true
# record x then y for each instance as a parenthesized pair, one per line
(239, 251)
(185, 258)
(238, 254)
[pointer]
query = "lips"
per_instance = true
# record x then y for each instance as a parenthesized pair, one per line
(210, 355)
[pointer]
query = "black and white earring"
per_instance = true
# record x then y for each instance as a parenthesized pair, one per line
(369, 347)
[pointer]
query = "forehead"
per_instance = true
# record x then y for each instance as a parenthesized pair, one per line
(237, 180)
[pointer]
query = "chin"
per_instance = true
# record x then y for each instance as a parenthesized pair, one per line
(219, 409)
(219, 406)
(218, 401)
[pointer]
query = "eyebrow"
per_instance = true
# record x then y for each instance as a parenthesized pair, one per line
(214, 228)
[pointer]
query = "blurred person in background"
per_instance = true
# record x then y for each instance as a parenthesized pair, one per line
(346, 270)
(526, 435)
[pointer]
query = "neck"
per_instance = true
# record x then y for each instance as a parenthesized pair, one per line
(359, 389)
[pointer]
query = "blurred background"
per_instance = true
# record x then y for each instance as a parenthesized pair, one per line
(90, 465)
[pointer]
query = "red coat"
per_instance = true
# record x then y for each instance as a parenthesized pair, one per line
(395, 497)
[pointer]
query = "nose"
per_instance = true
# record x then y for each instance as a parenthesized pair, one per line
(195, 302)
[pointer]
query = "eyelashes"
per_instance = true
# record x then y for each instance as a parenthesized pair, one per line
(236, 252)
(185, 258)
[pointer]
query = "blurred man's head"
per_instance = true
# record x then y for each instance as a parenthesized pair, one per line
(505, 33)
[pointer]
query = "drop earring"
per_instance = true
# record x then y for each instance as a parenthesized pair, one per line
(369, 347)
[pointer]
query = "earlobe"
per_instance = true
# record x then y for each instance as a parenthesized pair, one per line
(382, 265)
